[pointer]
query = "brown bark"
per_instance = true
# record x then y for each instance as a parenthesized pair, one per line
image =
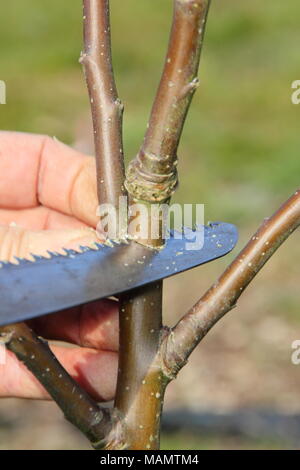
(150, 355)
(103, 427)
(223, 295)
(152, 178)
(78, 407)
(107, 109)
(141, 383)
(152, 175)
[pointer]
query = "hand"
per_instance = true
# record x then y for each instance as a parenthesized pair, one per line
(48, 201)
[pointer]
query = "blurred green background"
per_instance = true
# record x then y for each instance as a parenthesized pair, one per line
(239, 155)
(242, 133)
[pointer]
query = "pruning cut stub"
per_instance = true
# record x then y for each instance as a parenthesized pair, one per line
(46, 285)
(151, 178)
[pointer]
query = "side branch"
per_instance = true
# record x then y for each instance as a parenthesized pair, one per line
(78, 407)
(107, 109)
(152, 175)
(223, 295)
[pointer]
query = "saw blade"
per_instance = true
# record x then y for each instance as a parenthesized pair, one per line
(46, 285)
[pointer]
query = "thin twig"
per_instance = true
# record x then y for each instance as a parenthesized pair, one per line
(152, 175)
(107, 109)
(223, 295)
(78, 407)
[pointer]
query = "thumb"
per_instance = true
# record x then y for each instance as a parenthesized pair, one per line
(22, 243)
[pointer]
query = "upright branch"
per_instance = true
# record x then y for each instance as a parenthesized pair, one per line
(223, 295)
(107, 109)
(152, 175)
(151, 179)
(78, 407)
(103, 427)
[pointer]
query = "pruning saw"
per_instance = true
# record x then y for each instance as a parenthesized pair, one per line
(45, 285)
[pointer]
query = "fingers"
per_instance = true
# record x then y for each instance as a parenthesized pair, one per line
(67, 182)
(18, 242)
(96, 371)
(19, 167)
(40, 170)
(39, 218)
(95, 325)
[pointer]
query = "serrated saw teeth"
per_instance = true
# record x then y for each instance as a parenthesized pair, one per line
(52, 254)
(11, 263)
(68, 252)
(94, 247)
(19, 261)
(98, 245)
(44, 285)
(35, 258)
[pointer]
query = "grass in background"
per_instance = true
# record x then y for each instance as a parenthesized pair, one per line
(241, 139)
(240, 149)
(187, 441)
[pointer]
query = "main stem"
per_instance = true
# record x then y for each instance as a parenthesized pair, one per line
(141, 383)
(152, 178)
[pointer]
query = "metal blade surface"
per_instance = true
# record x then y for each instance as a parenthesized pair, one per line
(47, 285)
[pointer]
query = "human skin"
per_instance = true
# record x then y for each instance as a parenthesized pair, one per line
(48, 200)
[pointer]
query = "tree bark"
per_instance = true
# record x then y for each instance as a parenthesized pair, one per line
(78, 407)
(151, 179)
(224, 294)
